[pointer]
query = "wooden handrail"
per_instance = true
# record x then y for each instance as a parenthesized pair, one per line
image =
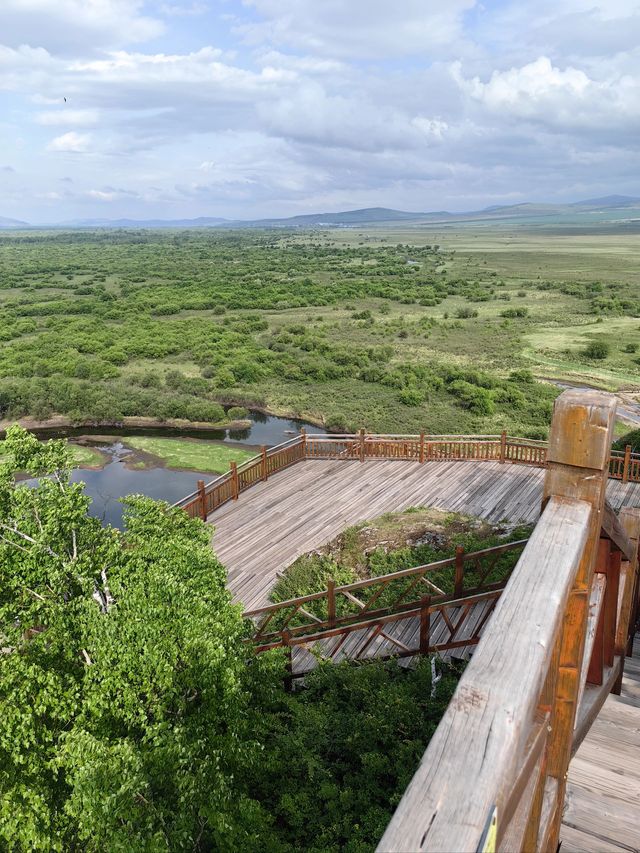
(473, 762)
(542, 671)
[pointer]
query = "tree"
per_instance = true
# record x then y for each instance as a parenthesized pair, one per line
(124, 682)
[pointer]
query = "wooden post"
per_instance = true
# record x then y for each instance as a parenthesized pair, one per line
(234, 480)
(458, 585)
(425, 627)
(303, 433)
(331, 602)
(595, 665)
(503, 445)
(627, 461)
(362, 445)
(630, 521)
(577, 468)
(288, 680)
(265, 470)
(611, 606)
(203, 500)
(422, 446)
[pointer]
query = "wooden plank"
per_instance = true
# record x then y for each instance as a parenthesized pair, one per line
(473, 757)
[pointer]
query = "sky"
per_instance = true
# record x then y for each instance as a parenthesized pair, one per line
(261, 108)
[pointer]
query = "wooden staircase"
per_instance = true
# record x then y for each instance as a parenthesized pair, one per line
(602, 805)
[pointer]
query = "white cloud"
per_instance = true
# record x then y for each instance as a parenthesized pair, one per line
(359, 28)
(562, 98)
(64, 26)
(74, 142)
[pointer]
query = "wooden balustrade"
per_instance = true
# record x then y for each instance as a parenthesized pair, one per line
(539, 676)
(361, 446)
(340, 607)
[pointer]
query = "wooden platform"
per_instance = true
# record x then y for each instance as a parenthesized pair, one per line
(310, 503)
(602, 807)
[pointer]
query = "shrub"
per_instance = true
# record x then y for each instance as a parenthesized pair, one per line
(466, 313)
(523, 375)
(597, 350)
(237, 413)
(630, 348)
(477, 400)
(411, 396)
(513, 313)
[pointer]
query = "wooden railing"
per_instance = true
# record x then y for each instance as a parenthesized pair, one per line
(494, 774)
(454, 578)
(623, 465)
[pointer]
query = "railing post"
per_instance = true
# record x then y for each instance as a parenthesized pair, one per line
(577, 468)
(331, 602)
(627, 462)
(303, 433)
(458, 585)
(422, 446)
(265, 471)
(627, 614)
(362, 439)
(203, 500)
(503, 445)
(595, 665)
(425, 624)
(288, 680)
(234, 480)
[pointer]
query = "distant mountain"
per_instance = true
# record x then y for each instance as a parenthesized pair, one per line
(12, 223)
(200, 222)
(606, 209)
(609, 201)
(345, 217)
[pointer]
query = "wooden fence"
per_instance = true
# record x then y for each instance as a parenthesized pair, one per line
(494, 774)
(623, 465)
(463, 576)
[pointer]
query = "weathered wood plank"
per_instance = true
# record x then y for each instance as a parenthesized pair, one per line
(473, 757)
(310, 503)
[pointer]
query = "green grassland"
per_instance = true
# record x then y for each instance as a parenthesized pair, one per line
(393, 330)
(187, 453)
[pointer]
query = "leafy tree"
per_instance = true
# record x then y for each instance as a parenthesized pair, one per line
(124, 682)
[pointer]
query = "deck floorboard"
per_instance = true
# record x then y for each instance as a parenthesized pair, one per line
(308, 504)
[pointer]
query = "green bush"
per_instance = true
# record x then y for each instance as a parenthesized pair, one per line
(513, 313)
(339, 753)
(597, 350)
(478, 400)
(237, 413)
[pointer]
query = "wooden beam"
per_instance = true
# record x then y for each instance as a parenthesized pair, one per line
(613, 529)
(577, 467)
(474, 757)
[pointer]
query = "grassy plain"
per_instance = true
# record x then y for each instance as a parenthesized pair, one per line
(394, 330)
(189, 454)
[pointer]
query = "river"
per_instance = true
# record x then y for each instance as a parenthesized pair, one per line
(107, 485)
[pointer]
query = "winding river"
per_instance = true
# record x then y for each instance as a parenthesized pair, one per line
(115, 480)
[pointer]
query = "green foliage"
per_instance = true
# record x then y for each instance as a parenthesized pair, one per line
(361, 731)
(107, 325)
(632, 438)
(123, 680)
(309, 574)
(478, 400)
(515, 312)
(237, 413)
(597, 350)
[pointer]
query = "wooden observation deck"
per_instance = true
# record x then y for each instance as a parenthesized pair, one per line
(541, 741)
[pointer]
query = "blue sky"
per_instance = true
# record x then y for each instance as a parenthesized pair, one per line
(185, 108)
